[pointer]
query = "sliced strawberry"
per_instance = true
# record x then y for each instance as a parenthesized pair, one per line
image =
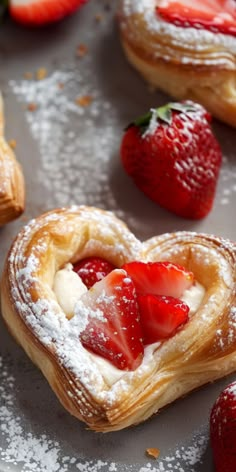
(161, 316)
(92, 269)
(223, 430)
(41, 12)
(159, 278)
(113, 330)
(214, 15)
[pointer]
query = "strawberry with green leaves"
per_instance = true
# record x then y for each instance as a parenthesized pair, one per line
(223, 430)
(174, 158)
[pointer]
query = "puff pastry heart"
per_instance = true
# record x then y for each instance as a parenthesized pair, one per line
(202, 351)
(185, 62)
(12, 187)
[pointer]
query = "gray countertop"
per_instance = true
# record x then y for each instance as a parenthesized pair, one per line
(70, 154)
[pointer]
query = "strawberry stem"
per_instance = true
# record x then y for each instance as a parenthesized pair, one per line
(163, 113)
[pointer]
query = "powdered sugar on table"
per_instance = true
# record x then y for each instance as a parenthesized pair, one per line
(75, 116)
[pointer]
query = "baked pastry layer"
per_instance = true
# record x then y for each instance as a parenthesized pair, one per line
(187, 63)
(12, 186)
(202, 351)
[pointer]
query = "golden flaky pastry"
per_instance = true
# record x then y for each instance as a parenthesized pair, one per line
(89, 387)
(12, 186)
(185, 62)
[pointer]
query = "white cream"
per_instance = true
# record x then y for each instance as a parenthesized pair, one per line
(68, 288)
(193, 297)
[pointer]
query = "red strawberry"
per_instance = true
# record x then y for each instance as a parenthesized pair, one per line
(159, 278)
(215, 15)
(41, 12)
(174, 158)
(223, 430)
(161, 316)
(92, 269)
(113, 330)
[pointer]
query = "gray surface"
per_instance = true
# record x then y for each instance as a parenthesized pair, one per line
(79, 151)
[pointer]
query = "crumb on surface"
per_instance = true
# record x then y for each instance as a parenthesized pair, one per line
(98, 17)
(41, 73)
(32, 106)
(12, 143)
(153, 452)
(28, 75)
(84, 100)
(81, 50)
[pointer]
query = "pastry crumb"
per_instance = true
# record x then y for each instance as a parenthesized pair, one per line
(84, 100)
(41, 73)
(153, 452)
(81, 50)
(12, 143)
(32, 106)
(28, 75)
(98, 17)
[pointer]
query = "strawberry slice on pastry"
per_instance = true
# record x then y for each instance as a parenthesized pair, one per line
(159, 278)
(113, 330)
(215, 15)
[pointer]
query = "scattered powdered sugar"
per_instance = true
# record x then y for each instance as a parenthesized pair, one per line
(227, 187)
(74, 164)
(23, 449)
(68, 158)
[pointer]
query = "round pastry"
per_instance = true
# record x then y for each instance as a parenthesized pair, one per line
(184, 49)
(94, 345)
(12, 186)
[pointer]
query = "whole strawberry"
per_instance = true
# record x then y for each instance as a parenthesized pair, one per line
(174, 158)
(223, 430)
(42, 12)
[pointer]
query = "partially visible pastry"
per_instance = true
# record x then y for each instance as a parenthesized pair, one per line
(120, 328)
(12, 186)
(186, 49)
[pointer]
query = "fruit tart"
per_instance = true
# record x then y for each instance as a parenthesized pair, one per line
(12, 187)
(120, 328)
(187, 49)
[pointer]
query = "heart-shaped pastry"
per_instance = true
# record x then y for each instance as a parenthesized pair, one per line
(187, 49)
(36, 307)
(12, 186)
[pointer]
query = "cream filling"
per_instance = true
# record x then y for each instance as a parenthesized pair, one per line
(68, 288)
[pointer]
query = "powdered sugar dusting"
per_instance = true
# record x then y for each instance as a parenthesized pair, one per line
(187, 38)
(22, 448)
(87, 152)
(227, 189)
(30, 447)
